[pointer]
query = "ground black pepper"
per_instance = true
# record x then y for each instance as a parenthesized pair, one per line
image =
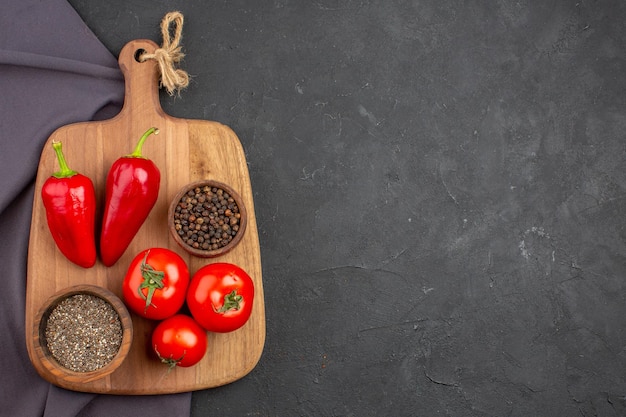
(83, 333)
(207, 218)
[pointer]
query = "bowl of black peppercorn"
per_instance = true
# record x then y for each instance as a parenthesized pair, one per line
(207, 218)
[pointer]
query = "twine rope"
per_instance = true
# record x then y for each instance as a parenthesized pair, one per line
(169, 54)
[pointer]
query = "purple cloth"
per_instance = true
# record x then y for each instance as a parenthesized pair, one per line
(53, 71)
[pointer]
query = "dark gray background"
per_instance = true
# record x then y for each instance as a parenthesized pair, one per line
(439, 188)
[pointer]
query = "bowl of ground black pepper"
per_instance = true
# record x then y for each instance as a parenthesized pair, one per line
(82, 333)
(207, 218)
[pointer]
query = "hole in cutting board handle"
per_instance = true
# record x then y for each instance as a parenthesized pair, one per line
(138, 53)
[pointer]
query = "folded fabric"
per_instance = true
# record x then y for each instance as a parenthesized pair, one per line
(53, 71)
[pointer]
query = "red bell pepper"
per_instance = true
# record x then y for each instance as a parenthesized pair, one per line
(70, 202)
(132, 188)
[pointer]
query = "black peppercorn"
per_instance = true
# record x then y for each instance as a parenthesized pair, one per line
(207, 218)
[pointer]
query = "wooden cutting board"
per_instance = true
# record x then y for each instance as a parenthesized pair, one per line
(185, 151)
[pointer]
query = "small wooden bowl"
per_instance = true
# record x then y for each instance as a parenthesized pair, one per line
(207, 253)
(47, 359)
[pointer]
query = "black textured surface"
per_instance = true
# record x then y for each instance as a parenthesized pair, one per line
(439, 187)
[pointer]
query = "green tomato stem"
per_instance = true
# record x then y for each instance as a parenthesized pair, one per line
(170, 362)
(152, 280)
(232, 301)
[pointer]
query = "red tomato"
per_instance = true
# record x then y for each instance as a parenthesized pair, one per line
(179, 341)
(220, 297)
(156, 283)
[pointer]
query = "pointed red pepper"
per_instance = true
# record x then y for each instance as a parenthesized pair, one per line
(70, 202)
(132, 188)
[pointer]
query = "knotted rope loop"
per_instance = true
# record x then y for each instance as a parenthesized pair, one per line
(170, 54)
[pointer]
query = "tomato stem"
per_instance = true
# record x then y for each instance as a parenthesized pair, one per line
(170, 362)
(152, 280)
(232, 301)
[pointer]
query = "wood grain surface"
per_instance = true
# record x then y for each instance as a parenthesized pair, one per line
(185, 151)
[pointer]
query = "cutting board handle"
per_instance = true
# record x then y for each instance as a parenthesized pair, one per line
(141, 80)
